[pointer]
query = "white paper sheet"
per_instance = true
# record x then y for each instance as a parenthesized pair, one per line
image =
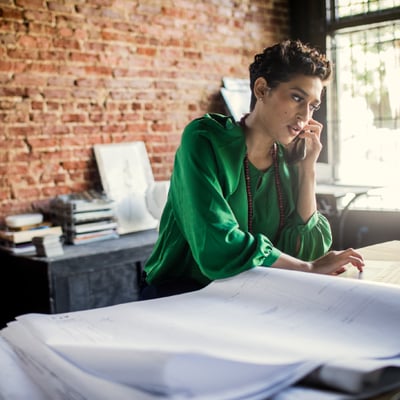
(264, 328)
(58, 378)
(255, 315)
(15, 384)
(377, 271)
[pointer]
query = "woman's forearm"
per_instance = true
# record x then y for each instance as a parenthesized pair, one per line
(306, 203)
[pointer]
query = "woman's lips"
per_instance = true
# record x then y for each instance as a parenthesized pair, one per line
(294, 130)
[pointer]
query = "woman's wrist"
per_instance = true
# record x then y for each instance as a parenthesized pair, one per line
(307, 172)
(308, 266)
(288, 262)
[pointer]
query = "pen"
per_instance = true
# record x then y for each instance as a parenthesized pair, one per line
(360, 275)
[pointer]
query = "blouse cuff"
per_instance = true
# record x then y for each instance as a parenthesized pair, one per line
(309, 225)
(271, 254)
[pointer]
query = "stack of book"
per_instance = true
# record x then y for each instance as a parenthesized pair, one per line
(19, 240)
(85, 217)
(48, 245)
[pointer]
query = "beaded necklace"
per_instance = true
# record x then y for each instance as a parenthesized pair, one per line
(274, 154)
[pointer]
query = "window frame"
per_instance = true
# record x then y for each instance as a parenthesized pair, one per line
(312, 21)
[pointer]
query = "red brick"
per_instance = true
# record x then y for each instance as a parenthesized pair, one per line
(66, 44)
(56, 93)
(43, 118)
(12, 13)
(84, 57)
(34, 4)
(53, 55)
(26, 192)
(27, 41)
(98, 70)
(147, 51)
(84, 130)
(59, 7)
(22, 54)
(8, 66)
(56, 129)
(73, 118)
(29, 80)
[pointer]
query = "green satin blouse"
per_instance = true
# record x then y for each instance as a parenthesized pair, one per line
(203, 233)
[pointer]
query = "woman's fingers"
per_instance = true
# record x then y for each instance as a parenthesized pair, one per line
(353, 257)
(313, 129)
(357, 262)
(335, 261)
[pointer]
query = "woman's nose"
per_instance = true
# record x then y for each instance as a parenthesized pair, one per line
(304, 114)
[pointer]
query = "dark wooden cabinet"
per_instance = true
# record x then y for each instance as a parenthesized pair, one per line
(86, 276)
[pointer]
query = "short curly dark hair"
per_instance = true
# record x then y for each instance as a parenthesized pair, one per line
(282, 61)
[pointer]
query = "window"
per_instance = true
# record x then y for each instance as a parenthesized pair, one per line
(363, 110)
(348, 8)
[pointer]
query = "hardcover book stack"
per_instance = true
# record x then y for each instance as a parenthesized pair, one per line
(85, 217)
(48, 246)
(17, 236)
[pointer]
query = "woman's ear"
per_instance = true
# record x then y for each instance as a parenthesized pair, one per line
(260, 88)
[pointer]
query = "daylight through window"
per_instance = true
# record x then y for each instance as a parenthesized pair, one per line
(364, 102)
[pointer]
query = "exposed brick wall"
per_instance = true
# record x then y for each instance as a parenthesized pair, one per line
(74, 73)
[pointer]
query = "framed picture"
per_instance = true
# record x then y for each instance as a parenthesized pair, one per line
(126, 174)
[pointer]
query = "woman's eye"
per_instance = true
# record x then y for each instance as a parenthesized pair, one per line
(300, 99)
(297, 98)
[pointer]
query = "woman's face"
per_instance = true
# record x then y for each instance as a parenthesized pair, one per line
(287, 108)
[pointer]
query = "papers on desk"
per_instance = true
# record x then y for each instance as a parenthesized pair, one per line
(15, 383)
(377, 271)
(253, 336)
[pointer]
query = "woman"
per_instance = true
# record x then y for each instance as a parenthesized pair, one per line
(238, 199)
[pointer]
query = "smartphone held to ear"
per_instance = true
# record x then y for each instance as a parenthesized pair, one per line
(295, 151)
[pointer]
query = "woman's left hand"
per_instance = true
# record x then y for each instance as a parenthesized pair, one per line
(334, 262)
(312, 133)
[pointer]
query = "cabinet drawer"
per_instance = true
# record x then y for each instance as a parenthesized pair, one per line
(97, 288)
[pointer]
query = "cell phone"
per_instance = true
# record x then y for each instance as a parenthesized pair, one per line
(295, 151)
